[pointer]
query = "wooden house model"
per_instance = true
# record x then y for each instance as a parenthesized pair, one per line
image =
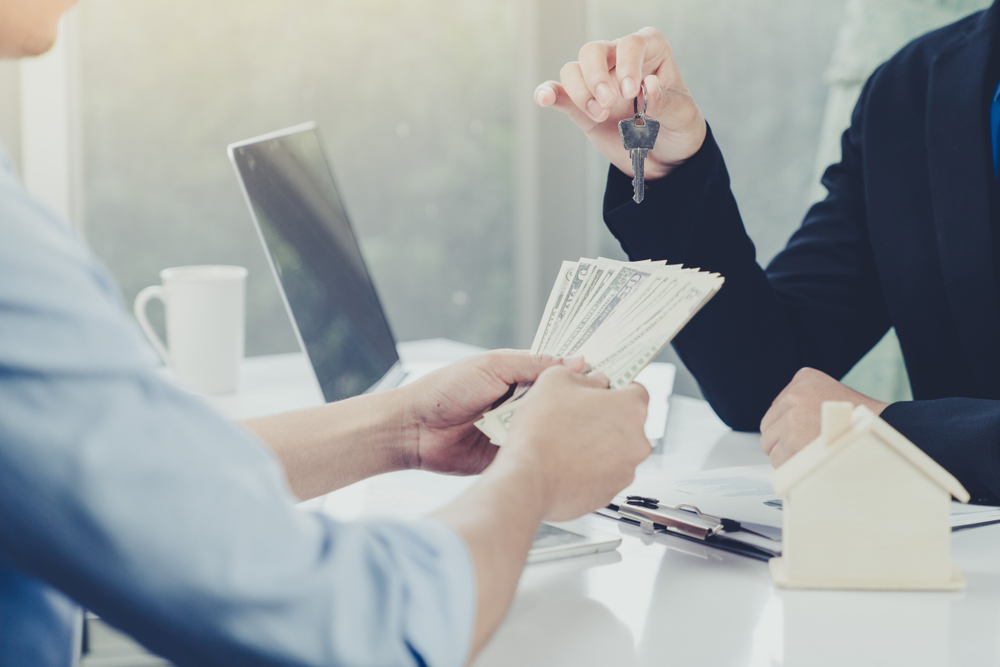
(865, 508)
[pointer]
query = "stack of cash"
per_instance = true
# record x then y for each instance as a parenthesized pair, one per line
(617, 315)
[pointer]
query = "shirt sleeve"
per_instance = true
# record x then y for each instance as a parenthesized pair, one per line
(138, 501)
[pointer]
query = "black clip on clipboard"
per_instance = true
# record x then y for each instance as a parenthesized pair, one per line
(689, 523)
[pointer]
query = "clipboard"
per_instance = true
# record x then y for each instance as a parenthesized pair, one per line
(687, 522)
(742, 491)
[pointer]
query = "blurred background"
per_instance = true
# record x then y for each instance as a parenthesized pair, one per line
(464, 194)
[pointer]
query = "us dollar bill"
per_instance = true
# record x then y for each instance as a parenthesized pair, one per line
(618, 315)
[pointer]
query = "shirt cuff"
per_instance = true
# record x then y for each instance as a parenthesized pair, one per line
(442, 589)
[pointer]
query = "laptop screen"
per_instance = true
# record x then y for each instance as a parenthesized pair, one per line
(313, 250)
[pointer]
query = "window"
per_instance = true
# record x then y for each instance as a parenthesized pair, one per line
(413, 99)
(464, 196)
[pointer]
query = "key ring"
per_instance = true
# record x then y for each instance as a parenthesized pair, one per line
(635, 101)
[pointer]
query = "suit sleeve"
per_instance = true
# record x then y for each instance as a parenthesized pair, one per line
(961, 434)
(819, 303)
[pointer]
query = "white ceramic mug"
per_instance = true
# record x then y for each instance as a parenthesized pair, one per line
(206, 315)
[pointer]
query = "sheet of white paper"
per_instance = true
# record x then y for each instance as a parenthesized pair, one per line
(658, 379)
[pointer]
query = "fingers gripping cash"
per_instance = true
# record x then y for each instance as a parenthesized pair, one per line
(617, 315)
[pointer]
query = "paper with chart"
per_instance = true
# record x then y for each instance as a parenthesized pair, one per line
(617, 315)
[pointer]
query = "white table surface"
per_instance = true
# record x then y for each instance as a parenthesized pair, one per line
(667, 601)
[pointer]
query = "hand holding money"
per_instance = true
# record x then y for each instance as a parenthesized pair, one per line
(584, 440)
(617, 315)
(439, 408)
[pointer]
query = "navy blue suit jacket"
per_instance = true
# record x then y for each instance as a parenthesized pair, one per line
(904, 239)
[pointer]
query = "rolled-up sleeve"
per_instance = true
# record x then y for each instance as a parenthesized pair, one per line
(136, 500)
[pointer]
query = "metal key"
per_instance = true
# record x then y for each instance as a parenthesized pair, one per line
(638, 137)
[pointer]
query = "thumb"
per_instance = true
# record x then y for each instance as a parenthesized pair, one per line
(596, 380)
(512, 367)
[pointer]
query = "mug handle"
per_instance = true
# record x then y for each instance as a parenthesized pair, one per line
(139, 308)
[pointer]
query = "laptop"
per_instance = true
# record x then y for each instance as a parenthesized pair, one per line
(314, 254)
(327, 289)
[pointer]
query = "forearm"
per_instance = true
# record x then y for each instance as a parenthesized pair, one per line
(498, 518)
(691, 217)
(819, 304)
(333, 445)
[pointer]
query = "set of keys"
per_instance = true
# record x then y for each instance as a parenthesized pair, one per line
(638, 137)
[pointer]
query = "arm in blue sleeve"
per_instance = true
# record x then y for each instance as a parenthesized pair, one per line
(140, 503)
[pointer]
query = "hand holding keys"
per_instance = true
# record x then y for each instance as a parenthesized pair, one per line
(638, 137)
(594, 93)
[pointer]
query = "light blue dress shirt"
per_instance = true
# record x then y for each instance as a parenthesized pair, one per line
(125, 495)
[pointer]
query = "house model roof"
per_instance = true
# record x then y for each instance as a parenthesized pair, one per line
(863, 422)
